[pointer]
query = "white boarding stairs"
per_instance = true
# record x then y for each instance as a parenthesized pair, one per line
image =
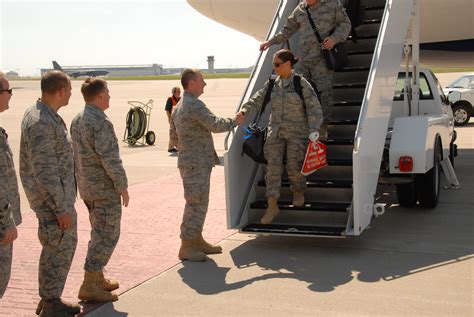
(339, 198)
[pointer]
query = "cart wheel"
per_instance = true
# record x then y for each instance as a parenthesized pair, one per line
(150, 138)
(131, 141)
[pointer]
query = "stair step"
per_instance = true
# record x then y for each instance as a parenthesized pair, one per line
(374, 8)
(296, 230)
(363, 37)
(339, 142)
(353, 69)
(351, 78)
(316, 183)
(371, 21)
(349, 85)
(339, 161)
(375, 13)
(352, 103)
(359, 52)
(344, 122)
(312, 206)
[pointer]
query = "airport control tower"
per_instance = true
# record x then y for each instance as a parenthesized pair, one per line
(210, 64)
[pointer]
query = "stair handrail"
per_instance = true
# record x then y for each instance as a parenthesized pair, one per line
(275, 20)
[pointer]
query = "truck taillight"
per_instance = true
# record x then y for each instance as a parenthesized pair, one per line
(405, 164)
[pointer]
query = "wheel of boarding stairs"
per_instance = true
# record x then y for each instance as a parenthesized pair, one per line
(406, 194)
(428, 185)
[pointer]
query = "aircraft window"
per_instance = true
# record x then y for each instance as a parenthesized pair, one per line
(425, 91)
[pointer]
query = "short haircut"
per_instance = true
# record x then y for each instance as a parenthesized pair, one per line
(187, 75)
(92, 87)
(173, 91)
(53, 80)
(2, 78)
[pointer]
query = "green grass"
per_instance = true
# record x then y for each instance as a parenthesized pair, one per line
(439, 70)
(177, 77)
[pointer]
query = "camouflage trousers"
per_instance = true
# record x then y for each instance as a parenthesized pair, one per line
(196, 183)
(104, 217)
(173, 142)
(6, 252)
(317, 71)
(57, 253)
(275, 149)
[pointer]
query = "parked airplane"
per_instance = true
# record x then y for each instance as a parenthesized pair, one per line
(78, 73)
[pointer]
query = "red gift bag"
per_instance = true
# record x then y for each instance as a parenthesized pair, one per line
(315, 158)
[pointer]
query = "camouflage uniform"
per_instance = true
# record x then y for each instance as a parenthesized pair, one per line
(47, 175)
(289, 127)
(101, 178)
(10, 215)
(327, 15)
(194, 123)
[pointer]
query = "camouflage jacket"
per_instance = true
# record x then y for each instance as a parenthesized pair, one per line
(46, 161)
(99, 170)
(10, 215)
(287, 111)
(328, 16)
(194, 123)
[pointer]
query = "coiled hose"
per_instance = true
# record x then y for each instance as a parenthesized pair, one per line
(136, 124)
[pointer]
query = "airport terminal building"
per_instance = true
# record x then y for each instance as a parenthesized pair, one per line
(139, 70)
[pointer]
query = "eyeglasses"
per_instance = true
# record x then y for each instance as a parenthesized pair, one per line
(278, 64)
(10, 91)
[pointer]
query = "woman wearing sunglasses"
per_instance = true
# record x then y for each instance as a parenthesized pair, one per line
(292, 120)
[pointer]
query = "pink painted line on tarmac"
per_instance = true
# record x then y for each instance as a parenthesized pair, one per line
(148, 243)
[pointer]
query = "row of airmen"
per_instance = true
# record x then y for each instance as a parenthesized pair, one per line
(50, 163)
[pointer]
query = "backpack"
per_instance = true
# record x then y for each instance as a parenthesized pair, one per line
(355, 10)
(296, 84)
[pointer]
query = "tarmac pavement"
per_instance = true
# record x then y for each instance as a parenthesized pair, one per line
(411, 262)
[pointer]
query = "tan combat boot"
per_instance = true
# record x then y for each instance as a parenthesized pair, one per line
(70, 307)
(57, 308)
(298, 199)
(271, 212)
(190, 251)
(91, 289)
(206, 247)
(107, 284)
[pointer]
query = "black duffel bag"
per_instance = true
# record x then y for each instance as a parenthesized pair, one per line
(254, 142)
(336, 58)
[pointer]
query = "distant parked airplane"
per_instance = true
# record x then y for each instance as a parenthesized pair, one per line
(77, 73)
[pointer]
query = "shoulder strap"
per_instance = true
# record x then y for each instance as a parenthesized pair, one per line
(266, 99)
(315, 30)
(299, 88)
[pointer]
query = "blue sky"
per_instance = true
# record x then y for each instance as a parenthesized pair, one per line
(114, 32)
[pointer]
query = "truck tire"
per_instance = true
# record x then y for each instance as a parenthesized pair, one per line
(428, 185)
(406, 195)
(461, 113)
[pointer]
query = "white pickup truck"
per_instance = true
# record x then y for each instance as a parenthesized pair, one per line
(420, 141)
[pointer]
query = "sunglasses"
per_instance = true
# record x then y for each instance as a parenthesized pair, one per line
(10, 91)
(278, 64)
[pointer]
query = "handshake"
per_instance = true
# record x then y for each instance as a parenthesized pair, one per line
(239, 118)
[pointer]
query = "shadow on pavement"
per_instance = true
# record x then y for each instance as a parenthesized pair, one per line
(109, 307)
(207, 278)
(400, 243)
